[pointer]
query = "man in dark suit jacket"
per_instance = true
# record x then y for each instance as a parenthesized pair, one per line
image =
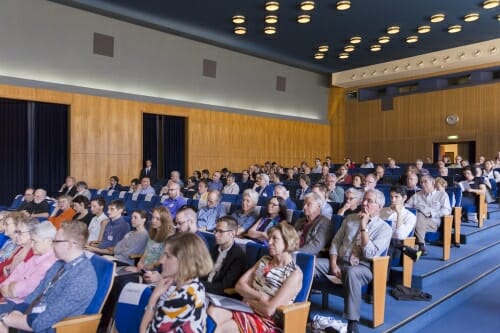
(69, 187)
(229, 259)
(150, 172)
(114, 184)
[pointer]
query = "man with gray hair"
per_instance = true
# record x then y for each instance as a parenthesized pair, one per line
(208, 215)
(315, 230)
(352, 202)
(361, 238)
(282, 192)
(335, 193)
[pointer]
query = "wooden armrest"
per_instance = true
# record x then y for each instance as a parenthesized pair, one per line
(295, 317)
(408, 263)
(482, 210)
(457, 223)
(380, 267)
(447, 223)
(78, 324)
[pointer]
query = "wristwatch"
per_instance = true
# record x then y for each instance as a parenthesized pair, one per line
(148, 308)
(363, 230)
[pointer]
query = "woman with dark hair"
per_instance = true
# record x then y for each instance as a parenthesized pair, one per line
(81, 206)
(273, 281)
(305, 187)
(276, 212)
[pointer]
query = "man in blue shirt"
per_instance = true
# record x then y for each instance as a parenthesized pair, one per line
(174, 201)
(207, 216)
(115, 230)
(66, 290)
(216, 183)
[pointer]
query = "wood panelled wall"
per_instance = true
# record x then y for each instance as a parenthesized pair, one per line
(106, 136)
(418, 120)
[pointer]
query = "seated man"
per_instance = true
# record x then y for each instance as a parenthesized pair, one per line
(207, 216)
(315, 230)
(262, 186)
(63, 211)
(411, 184)
(431, 206)
(216, 183)
(335, 193)
(115, 229)
(281, 191)
(69, 187)
(229, 259)
(231, 186)
(246, 216)
(361, 238)
(174, 201)
(82, 189)
(27, 199)
(114, 184)
(146, 187)
(403, 222)
(326, 209)
(39, 207)
(202, 193)
(66, 290)
(175, 176)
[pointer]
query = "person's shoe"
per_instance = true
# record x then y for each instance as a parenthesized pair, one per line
(412, 253)
(352, 326)
(422, 249)
(320, 322)
(337, 327)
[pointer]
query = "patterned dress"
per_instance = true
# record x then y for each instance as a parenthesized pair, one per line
(267, 280)
(181, 310)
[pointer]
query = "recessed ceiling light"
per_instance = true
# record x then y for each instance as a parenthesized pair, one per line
(498, 17)
(471, 17)
(455, 28)
(423, 29)
(271, 19)
(343, 5)
(488, 4)
(319, 55)
(270, 30)
(323, 48)
(349, 48)
(437, 18)
(384, 39)
(304, 18)
(375, 48)
(355, 40)
(238, 19)
(411, 39)
(240, 30)
(272, 6)
(343, 55)
(393, 30)
(307, 5)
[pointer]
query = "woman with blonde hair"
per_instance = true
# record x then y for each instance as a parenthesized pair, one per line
(178, 302)
(273, 281)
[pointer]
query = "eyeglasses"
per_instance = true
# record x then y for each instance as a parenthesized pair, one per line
(220, 231)
(19, 232)
(273, 204)
(60, 240)
(171, 189)
(179, 223)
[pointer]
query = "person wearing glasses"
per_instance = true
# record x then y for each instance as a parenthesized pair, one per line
(27, 275)
(229, 259)
(23, 250)
(10, 223)
(174, 200)
(275, 213)
(66, 290)
(63, 211)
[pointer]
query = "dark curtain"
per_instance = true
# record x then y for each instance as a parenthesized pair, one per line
(164, 143)
(13, 148)
(50, 166)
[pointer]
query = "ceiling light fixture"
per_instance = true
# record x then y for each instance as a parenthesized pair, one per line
(238, 19)
(437, 18)
(272, 6)
(319, 56)
(304, 18)
(393, 30)
(488, 4)
(423, 29)
(411, 39)
(375, 48)
(471, 17)
(343, 55)
(384, 39)
(349, 48)
(240, 30)
(343, 5)
(307, 5)
(270, 30)
(355, 40)
(271, 19)
(454, 29)
(498, 17)
(323, 48)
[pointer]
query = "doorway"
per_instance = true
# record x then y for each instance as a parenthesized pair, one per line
(466, 149)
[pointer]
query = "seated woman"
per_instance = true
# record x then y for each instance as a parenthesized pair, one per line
(305, 187)
(98, 222)
(134, 242)
(82, 189)
(358, 181)
(273, 281)
(177, 304)
(23, 251)
(246, 216)
(275, 213)
(191, 187)
(63, 211)
(343, 177)
(3, 236)
(10, 223)
(81, 206)
(27, 275)
(352, 202)
(441, 184)
(471, 186)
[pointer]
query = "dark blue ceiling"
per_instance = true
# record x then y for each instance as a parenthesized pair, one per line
(295, 44)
